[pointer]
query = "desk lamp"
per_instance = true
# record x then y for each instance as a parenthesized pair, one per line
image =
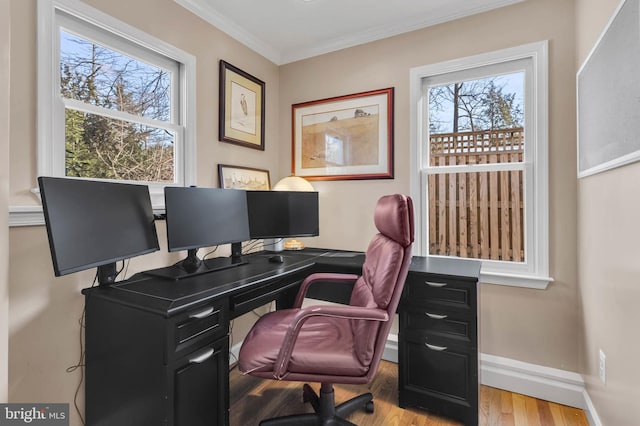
(293, 183)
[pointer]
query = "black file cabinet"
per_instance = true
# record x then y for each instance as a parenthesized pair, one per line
(149, 367)
(438, 338)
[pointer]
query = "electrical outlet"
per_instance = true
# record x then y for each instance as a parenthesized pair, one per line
(602, 366)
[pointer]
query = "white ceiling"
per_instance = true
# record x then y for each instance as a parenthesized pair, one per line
(289, 30)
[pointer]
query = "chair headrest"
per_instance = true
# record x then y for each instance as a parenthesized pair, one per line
(394, 218)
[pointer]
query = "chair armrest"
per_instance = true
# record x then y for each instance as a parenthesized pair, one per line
(322, 276)
(341, 311)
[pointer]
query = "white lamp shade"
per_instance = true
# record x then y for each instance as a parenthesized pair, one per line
(293, 183)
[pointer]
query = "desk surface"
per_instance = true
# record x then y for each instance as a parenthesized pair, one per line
(168, 297)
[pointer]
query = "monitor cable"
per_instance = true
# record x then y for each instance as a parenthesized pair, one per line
(210, 253)
(80, 365)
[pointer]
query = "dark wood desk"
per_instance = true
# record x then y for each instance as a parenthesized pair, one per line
(157, 350)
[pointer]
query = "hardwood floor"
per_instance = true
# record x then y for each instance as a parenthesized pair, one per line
(253, 399)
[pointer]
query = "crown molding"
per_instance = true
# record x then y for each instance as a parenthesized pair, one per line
(280, 57)
(385, 31)
(201, 9)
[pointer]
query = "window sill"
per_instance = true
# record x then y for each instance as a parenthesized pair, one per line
(25, 216)
(515, 280)
(34, 216)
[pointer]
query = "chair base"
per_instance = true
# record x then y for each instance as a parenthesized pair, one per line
(326, 412)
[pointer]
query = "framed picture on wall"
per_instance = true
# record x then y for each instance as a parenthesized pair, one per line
(241, 107)
(238, 177)
(345, 137)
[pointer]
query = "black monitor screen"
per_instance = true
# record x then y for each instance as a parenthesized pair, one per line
(94, 223)
(202, 217)
(277, 214)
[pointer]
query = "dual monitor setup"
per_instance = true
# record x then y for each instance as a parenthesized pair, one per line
(96, 224)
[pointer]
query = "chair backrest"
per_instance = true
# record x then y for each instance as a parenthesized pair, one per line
(383, 275)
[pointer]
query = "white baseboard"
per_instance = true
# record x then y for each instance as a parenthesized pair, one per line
(233, 353)
(551, 384)
(590, 411)
(391, 349)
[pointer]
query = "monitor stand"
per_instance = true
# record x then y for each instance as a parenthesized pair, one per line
(192, 262)
(192, 265)
(107, 274)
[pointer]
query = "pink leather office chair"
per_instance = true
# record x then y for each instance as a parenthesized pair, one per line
(337, 344)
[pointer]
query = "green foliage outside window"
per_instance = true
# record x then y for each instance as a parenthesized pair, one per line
(100, 146)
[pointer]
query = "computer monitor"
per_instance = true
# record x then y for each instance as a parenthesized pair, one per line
(96, 224)
(203, 217)
(282, 214)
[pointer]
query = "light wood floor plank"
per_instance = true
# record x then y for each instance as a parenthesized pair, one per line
(572, 416)
(506, 408)
(506, 402)
(533, 416)
(519, 410)
(254, 399)
(556, 414)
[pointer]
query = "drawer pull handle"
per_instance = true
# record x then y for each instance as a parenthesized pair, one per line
(201, 358)
(203, 314)
(434, 284)
(435, 316)
(436, 348)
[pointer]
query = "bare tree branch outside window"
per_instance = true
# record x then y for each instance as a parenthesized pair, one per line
(98, 146)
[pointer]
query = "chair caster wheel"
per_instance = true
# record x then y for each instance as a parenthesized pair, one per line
(369, 407)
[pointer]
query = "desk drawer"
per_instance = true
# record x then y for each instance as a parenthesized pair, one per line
(203, 323)
(443, 380)
(244, 302)
(438, 322)
(420, 289)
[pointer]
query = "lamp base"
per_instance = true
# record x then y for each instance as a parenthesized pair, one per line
(293, 244)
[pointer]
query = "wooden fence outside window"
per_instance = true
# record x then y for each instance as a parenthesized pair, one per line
(477, 214)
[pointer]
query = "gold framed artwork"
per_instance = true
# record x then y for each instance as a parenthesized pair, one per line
(248, 178)
(241, 107)
(344, 137)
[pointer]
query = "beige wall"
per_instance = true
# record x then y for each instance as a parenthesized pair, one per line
(529, 325)
(5, 36)
(560, 327)
(608, 254)
(44, 310)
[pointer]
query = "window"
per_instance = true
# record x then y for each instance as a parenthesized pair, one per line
(113, 103)
(479, 169)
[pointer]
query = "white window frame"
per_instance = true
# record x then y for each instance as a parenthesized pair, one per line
(93, 24)
(534, 271)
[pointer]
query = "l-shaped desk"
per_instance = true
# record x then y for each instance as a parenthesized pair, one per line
(157, 350)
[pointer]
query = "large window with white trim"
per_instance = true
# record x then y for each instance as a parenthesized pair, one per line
(480, 169)
(113, 101)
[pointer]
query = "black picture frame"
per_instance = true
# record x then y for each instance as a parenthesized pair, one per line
(242, 104)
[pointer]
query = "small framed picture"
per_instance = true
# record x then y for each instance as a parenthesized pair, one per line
(241, 107)
(345, 137)
(238, 177)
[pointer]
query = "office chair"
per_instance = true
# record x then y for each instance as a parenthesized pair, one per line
(337, 344)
